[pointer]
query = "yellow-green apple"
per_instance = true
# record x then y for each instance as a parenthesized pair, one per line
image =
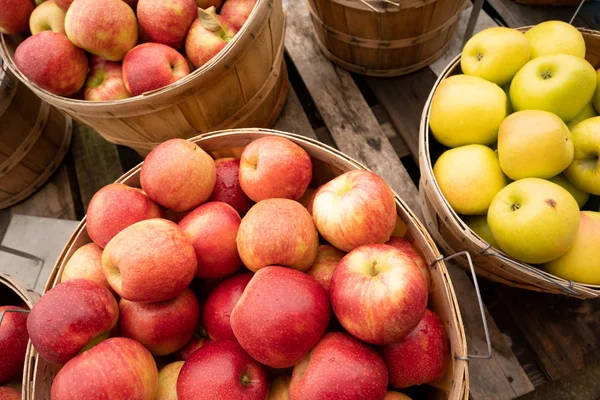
(47, 17)
(561, 84)
(588, 112)
(322, 269)
(162, 327)
(115, 207)
(71, 317)
(52, 62)
(8, 393)
(579, 195)
(217, 309)
(421, 357)
(378, 293)
(118, 368)
(63, 4)
(278, 332)
(167, 381)
(227, 186)
(208, 35)
(105, 81)
(467, 110)
(105, 28)
(166, 21)
(277, 232)
(469, 178)
(149, 261)
(237, 11)
(261, 166)
(479, 225)
(584, 171)
(212, 229)
(555, 37)
(391, 395)
(339, 367)
(151, 66)
(13, 343)
(209, 3)
(195, 343)
(596, 98)
(279, 388)
(509, 108)
(178, 175)
(15, 14)
(86, 263)
(353, 209)
(407, 248)
(534, 144)
(495, 54)
(239, 376)
(533, 220)
(581, 263)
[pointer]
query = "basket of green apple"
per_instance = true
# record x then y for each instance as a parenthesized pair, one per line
(307, 274)
(509, 147)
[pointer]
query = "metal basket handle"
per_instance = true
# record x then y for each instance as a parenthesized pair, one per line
(12, 311)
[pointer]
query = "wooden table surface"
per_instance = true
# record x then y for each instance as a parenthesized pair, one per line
(536, 337)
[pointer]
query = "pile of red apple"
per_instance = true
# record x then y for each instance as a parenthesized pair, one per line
(13, 345)
(101, 50)
(232, 273)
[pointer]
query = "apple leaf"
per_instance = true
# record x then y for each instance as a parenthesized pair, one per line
(210, 22)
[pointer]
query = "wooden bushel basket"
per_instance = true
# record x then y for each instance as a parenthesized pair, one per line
(552, 3)
(327, 163)
(453, 235)
(380, 38)
(245, 85)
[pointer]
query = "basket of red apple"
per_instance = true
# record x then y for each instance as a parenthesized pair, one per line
(247, 263)
(509, 147)
(15, 303)
(142, 72)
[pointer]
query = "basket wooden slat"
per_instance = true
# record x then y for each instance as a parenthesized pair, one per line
(328, 163)
(453, 235)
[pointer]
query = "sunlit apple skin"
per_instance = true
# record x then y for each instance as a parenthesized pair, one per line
(555, 37)
(279, 388)
(378, 293)
(166, 21)
(322, 269)
(8, 393)
(409, 249)
(13, 344)
(48, 16)
(195, 343)
(105, 81)
(86, 263)
(69, 317)
(201, 44)
(584, 171)
(167, 381)
(237, 11)
(339, 367)
(227, 186)
(15, 14)
(117, 368)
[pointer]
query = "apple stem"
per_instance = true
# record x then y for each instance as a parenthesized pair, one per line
(210, 22)
(246, 381)
(373, 272)
(515, 206)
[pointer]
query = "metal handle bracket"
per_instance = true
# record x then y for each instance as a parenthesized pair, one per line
(13, 311)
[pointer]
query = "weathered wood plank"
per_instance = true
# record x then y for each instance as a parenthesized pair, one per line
(293, 118)
(395, 139)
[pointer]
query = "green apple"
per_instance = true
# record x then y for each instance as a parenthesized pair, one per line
(533, 220)
(579, 195)
(587, 112)
(495, 54)
(509, 108)
(581, 263)
(534, 144)
(479, 225)
(561, 84)
(584, 171)
(596, 98)
(555, 37)
(469, 177)
(467, 110)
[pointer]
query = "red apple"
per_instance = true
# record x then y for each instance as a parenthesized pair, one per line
(47, 17)
(277, 232)
(274, 167)
(63, 4)
(195, 343)
(166, 21)
(14, 17)
(378, 294)
(354, 209)
(219, 305)
(279, 388)
(178, 175)
(72, 316)
(149, 261)
(167, 381)
(222, 370)
(407, 248)
(86, 263)
(227, 187)
(322, 269)
(114, 208)
(52, 62)
(118, 368)
(106, 28)
(281, 315)
(340, 367)
(13, 343)
(421, 357)
(8, 393)
(237, 11)
(105, 81)
(208, 35)
(212, 229)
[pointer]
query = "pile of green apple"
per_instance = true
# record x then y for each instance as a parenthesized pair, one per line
(522, 127)
(102, 50)
(241, 278)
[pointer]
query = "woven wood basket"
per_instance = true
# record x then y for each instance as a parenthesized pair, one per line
(377, 38)
(245, 85)
(453, 235)
(34, 139)
(328, 163)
